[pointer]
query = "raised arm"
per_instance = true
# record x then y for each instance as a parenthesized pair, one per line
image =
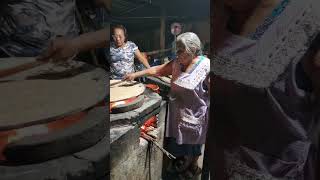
(92, 40)
(161, 70)
(63, 48)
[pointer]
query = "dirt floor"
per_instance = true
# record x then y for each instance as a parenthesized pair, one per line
(175, 176)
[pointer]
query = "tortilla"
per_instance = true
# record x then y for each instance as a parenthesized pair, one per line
(29, 102)
(125, 90)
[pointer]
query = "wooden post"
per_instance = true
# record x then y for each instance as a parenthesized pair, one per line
(162, 28)
(107, 4)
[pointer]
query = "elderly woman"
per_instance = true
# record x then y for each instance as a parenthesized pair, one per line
(122, 53)
(264, 116)
(188, 102)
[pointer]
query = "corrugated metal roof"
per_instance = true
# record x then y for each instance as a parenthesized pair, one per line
(145, 14)
(152, 8)
(123, 7)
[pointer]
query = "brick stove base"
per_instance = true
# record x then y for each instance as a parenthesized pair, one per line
(90, 164)
(138, 160)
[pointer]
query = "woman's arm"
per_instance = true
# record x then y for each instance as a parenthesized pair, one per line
(141, 58)
(161, 70)
(63, 48)
(92, 40)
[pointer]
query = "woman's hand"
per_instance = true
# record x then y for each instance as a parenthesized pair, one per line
(130, 77)
(59, 49)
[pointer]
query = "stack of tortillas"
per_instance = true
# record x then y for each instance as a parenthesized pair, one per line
(125, 90)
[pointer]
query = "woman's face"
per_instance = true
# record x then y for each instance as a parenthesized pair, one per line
(118, 37)
(183, 57)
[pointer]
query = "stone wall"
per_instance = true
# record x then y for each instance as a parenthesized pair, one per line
(142, 161)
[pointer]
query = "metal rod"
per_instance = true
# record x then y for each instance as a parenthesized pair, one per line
(164, 151)
(152, 140)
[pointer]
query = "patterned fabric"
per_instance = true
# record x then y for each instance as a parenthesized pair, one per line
(258, 63)
(188, 104)
(27, 26)
(269, 20)
(266, 132)
(122, 60)
(263, 120)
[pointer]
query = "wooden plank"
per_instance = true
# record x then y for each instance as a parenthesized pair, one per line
(162, 27)
(19, 68)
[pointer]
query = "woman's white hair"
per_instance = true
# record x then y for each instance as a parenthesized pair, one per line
(190, 42)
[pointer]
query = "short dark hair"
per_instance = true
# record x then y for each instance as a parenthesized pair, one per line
(314, 47)
(119, 26)
(315, 44)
